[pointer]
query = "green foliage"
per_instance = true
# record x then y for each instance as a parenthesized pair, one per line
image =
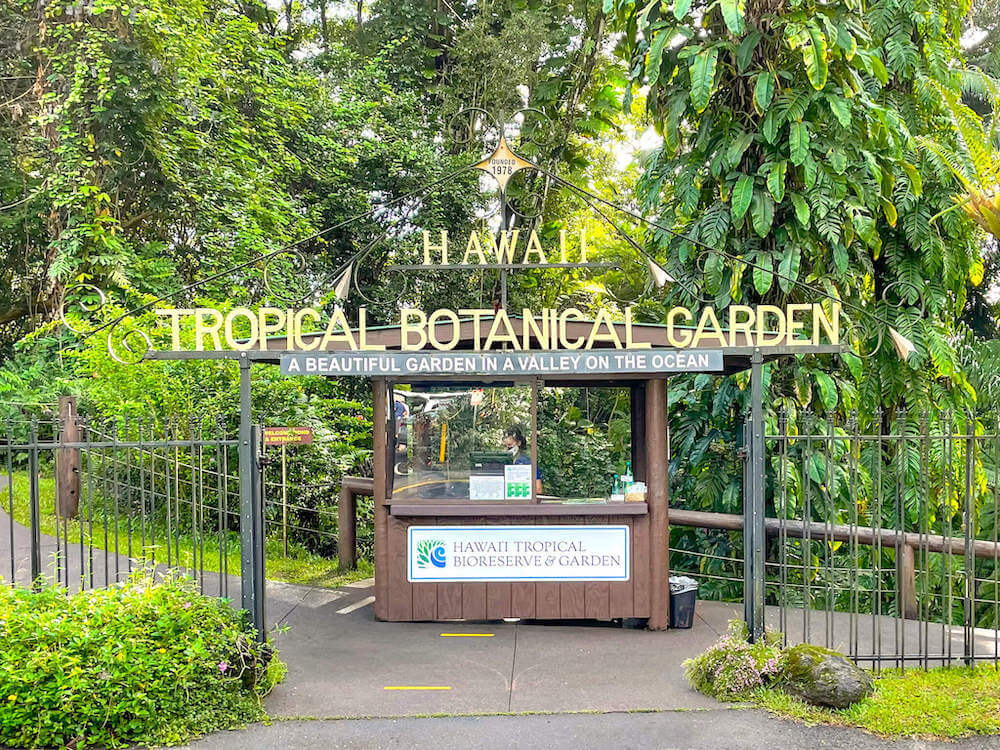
(151, 662)
(160, 148)
(975, 159)
(798, 125)
(733, 668)
(793, 174)
(583, 440)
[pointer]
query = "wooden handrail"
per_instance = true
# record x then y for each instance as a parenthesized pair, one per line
(821, 532)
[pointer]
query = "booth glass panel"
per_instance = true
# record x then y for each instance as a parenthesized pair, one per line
(463, 443)
(584, 442)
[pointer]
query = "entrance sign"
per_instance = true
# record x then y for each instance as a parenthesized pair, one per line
(491, 364)
(288, 435)
(517, 553)
(306, 329)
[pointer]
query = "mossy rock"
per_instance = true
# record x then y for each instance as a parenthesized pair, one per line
(823, 677)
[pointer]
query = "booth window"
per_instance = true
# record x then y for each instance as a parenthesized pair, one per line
(463, 443)
(584, 442)
(522, 442)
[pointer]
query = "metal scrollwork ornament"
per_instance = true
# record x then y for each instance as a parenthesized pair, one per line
(83, 304)
(129, 347)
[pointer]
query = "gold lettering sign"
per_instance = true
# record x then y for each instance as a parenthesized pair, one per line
(507, 247)
(485, 329)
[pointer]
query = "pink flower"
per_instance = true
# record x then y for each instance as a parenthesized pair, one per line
(186, 605)
(223, 667)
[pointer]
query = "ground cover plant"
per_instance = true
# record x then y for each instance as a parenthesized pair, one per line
(951, 702)
(149, 662)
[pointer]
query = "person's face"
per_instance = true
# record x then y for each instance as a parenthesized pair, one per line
(509, 441)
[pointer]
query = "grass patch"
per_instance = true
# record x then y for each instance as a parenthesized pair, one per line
(950, 702)
(143, 662)
(212, 552)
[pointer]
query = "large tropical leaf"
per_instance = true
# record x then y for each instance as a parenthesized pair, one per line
(733, 12)
(742, 194)
(798, 143)
(762, 213)
(776, 180)
(702, 72)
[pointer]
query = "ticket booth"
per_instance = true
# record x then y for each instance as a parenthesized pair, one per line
(465, 526)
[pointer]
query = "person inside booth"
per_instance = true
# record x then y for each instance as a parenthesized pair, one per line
(517, 446)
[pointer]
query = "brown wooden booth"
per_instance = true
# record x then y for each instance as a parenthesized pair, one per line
(643, 595)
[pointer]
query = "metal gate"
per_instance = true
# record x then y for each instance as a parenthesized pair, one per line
(86, 502)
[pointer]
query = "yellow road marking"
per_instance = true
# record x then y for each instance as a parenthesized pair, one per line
(417, 687)
(467, 635)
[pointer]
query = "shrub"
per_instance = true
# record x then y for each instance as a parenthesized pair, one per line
(145, 661)
(733, 668)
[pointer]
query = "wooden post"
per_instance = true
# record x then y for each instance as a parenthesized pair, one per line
(380, 444)
(284, 500)
(657, 498)
(906, 582)
(347, 552)
(68, 460)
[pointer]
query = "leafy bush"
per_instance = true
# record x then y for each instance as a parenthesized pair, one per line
(145, 661)
(733, 668)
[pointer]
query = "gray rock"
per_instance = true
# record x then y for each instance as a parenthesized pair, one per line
(823, 677)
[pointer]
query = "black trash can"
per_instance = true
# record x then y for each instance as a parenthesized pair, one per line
(683, 594)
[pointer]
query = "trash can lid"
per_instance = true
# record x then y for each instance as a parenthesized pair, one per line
(680, 584)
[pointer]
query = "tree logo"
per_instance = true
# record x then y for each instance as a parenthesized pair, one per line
(431, 552)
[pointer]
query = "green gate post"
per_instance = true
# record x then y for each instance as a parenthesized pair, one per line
(251, 509)
(753, 505)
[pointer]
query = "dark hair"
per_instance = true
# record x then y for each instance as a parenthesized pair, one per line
(515, 432)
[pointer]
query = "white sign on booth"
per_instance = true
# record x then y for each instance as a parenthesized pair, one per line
(517, 553)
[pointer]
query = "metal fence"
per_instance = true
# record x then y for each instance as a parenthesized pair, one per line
(85, 502)
(881, 538)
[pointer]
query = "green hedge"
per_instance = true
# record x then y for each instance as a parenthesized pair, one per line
(142, 662)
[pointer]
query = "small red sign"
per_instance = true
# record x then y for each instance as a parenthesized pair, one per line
(288, 435)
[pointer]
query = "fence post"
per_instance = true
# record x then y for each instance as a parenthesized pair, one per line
(35, 509)
(251, 513)
(68, 460)
(347, 552)
(754, 535)
(969, 524)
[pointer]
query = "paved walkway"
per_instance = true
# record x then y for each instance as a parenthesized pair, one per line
(691, 730)
(342, 663)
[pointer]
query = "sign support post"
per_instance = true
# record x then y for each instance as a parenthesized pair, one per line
(753, 505)
(251, 513)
